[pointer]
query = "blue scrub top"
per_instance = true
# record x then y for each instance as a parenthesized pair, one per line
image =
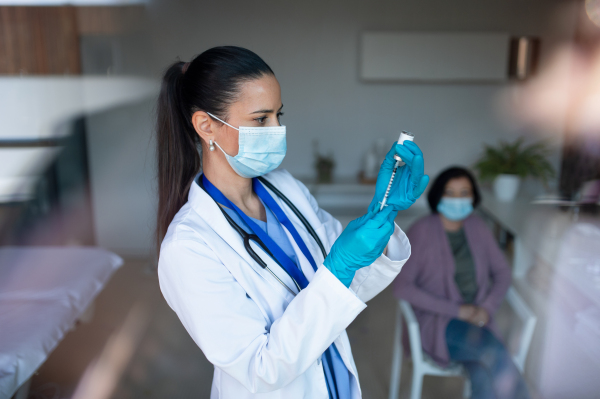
(336, 373)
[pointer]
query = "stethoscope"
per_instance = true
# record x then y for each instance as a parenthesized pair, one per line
(253, 237)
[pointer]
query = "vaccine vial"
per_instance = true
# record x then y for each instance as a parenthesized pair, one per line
(404, 136)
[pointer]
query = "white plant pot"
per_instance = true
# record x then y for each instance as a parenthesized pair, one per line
(506, 187)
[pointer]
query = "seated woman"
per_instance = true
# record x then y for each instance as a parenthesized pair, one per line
(456, 279)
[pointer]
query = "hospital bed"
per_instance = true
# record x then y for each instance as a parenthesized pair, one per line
(43, 292)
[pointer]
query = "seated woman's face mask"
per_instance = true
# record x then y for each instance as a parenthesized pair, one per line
(455, 209)
(261, 149)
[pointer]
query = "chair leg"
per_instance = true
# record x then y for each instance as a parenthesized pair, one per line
(396, 358)
(467, 388)
(417, 383)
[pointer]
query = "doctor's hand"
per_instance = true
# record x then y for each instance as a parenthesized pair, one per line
(360, 244)
(410, 181)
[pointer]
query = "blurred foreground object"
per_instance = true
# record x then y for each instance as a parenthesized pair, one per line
(563, 100)
(43, 292)
(566, 92)
(571, 349)
(592, 8)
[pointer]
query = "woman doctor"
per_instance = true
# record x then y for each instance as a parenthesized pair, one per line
(266, 295)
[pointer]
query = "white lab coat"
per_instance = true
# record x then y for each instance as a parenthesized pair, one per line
(263, 341)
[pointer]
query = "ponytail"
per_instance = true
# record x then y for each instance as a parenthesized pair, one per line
(210, 82)
(177, 150)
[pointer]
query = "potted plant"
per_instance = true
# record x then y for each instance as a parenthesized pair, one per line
(508, 163)
(324, 165)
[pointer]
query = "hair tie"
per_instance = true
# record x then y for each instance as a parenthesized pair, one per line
(185, 67)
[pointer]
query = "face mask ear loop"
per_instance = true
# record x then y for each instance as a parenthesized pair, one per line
(222, 122)
(217, 144)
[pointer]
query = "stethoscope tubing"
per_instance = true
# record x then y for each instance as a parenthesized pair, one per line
(299, 214)
(248, 237)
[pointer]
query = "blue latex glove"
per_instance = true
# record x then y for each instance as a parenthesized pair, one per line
(360, 244)
(410, 181)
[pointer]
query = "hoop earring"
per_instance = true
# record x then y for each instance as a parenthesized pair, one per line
(211, 146)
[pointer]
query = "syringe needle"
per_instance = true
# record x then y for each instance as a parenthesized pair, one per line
(403, 137)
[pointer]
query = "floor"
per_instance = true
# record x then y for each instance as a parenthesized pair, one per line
(167, 363)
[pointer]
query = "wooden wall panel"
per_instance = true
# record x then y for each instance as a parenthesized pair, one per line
(39, 41)
(101, 20)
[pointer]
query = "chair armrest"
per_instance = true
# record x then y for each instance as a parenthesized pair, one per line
(414, 333)
(529, 321)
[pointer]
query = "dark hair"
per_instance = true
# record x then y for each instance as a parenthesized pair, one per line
(210, 82)
(436, 192)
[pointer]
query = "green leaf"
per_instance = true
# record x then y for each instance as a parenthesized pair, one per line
(517, 159)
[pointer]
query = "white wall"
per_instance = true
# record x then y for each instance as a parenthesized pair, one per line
(313, 47)
(122, 175)
(34, 107)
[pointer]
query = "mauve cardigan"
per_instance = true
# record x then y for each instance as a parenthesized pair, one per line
(427, 279)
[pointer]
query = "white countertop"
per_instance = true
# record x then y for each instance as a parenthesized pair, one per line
(347, 201)
(343, 198)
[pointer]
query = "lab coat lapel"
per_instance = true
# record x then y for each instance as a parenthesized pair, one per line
(208, 209)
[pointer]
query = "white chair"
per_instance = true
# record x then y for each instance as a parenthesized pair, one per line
(424, 365)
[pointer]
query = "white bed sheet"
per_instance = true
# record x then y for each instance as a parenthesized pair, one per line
(43, 291)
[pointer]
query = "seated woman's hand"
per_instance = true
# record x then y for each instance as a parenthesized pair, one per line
(466, 312)
(473, 314)
(409, 183)
(480, 317)
(360, 244)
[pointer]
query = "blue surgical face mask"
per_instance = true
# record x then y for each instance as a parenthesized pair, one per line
(455, 209)
(261, 149)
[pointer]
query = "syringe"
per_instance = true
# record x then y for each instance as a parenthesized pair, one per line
(403, 137)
